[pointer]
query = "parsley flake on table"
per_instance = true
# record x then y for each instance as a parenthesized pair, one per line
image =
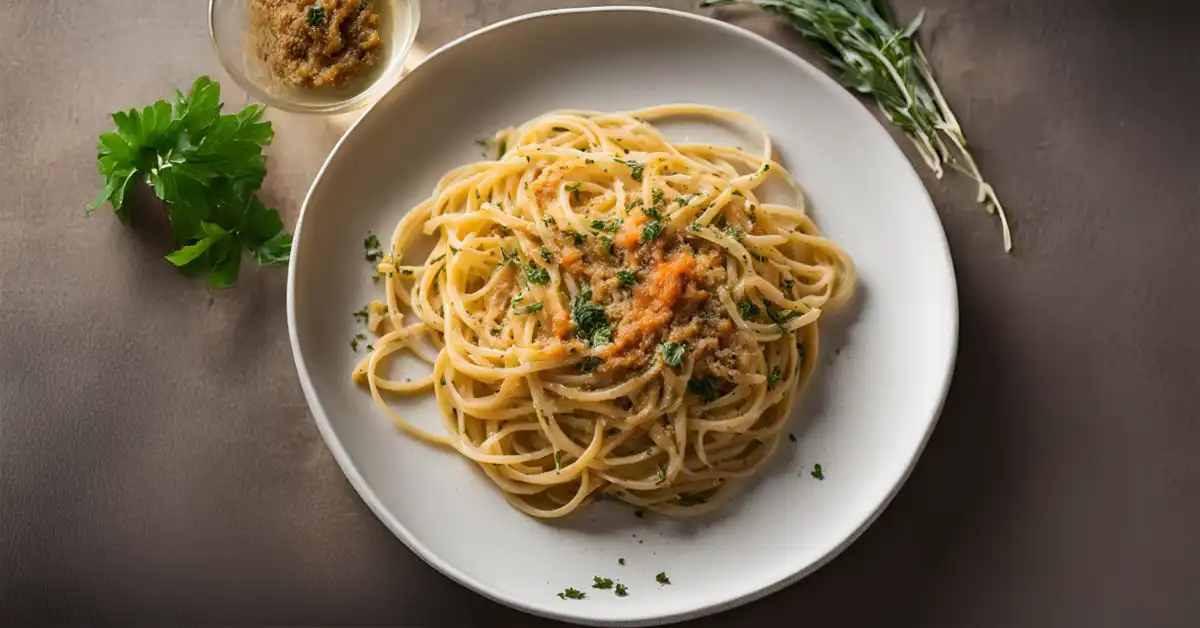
(601, 583)
(621, 590)
(662, 578)
(572, 594)
(817, 472)
(206, 168)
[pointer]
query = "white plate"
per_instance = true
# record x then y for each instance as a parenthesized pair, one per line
(865, 420)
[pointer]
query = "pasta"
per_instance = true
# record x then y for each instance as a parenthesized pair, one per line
(608, 313)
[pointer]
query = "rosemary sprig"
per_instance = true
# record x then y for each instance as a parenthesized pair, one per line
(874, 56)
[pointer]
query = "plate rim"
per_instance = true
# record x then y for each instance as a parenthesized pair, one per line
(348, 468)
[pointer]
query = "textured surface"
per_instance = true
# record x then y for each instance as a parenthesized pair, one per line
(158, 463)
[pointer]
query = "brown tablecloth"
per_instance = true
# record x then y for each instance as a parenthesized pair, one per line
(159, 464)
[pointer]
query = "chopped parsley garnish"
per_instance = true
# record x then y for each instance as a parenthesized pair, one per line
(371, 244)
(656, 197)
(753, 217)
(683, 200)
(572, 594)
(780, 317)
(637, 202)
(370, 348)
(672, 352)
(589, 161)
(362, 315)
(607, 242)
(507, 258)
(652, 212)
(536, 275)
(501, 149)
(817, 472)
(773, 378)
(404, 271)
(800, 352)
(601, 583)
(438, 259)
(766, 167)
(591, 324)
(694, 227)
(621, 561)
(703, 387)
(549, 220)
(610, 226)
(662, 578)
(502, 230)
(590, 364)
(748, 309)
(621, 589)
(557, 461)
(652, 230)
(443, 380)
(528, 309)
(573, 188)
(355, 340)
(626, 277)
(662, 475)
(316, 15)
(789, 284)
(545, 254)
(579, 238)
(640, 513)
(636, 167)
(734, 232)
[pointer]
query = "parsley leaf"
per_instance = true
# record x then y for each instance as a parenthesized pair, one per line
(662, 578)
(652, 230)
(536, 306)
(636, 168)
(672, 352)
(601, 583)
(573, 188)
(206, 168)
(652, 212)
(316, 15)
(747, 309)
(572, 594)
(621, 589)
(507, 258)
(591, 324)
(773, 378)
(703, 387)
(626, 277)
(817, 472)
(535, 274)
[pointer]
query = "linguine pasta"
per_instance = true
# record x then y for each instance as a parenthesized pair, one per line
(607, 312)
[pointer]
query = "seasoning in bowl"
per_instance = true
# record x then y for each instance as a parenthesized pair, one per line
(316, 44)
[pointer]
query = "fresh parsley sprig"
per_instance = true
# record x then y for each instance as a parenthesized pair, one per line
(860, 40)
(206, 167)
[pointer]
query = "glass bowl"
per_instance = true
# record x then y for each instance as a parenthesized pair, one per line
(232, 36)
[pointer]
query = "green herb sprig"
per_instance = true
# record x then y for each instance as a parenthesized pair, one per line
(206, 168)
(860, 39)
